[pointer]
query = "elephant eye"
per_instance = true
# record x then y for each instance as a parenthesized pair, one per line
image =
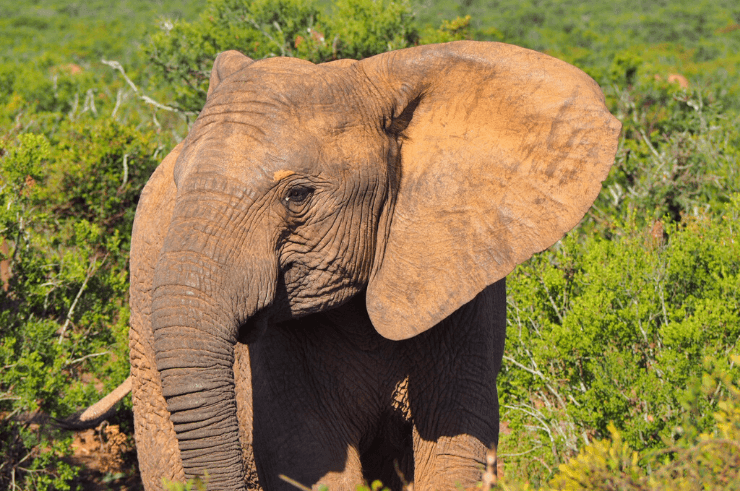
(296, 197)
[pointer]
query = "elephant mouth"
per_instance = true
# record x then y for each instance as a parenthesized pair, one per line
(251, 329)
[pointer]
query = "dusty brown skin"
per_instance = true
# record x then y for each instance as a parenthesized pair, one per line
(318, 269)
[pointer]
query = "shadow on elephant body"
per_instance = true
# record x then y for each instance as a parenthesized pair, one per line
(319, 387)
(344, 402)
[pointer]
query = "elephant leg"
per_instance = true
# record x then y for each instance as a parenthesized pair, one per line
(156, 444)
(308, 420)
(448, 463)
(452, 392)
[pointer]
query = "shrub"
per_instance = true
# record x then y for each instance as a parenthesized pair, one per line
(66, 207)
(699, 459)
(678, 154)
(183, 52)
(614, 331)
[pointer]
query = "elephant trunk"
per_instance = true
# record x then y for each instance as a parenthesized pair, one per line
(195, 331)
(194, 347)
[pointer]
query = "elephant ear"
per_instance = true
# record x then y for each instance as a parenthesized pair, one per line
(502, 151)
(226, 63)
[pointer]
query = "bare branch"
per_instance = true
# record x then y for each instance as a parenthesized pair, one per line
(93, 355)
(549, 296)
(521, 453)
(117, 66)
(119, 98)
(90, 272)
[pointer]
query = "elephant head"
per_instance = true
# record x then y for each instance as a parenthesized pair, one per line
(419, 177)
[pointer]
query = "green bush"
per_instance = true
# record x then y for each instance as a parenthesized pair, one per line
(63, 315)
(183, 52)
(699, 459)
(614, 331)
(67, 200)
(610, 332)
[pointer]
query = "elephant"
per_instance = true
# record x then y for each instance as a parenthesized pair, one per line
(318, 268)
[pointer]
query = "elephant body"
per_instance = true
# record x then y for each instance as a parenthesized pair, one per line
(318, 269)
(340, 404)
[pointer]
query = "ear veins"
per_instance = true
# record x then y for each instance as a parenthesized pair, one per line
(399, 123)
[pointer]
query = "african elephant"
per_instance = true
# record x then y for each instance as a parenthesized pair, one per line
(317, 270)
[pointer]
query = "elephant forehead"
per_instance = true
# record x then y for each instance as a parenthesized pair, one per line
(247, 157)
(258, 152)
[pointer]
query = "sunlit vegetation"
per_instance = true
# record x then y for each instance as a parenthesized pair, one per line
(621, 361)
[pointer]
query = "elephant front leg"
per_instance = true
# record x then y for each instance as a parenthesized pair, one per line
(309, 447)
(300, 427)
(449, 462)
(452, 393)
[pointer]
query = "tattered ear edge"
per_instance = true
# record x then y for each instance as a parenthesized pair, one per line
(226, 63)
(410, 291)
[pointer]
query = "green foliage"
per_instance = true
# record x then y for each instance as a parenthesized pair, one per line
(614, 331)
(189, 485)
(373, 486)
(80, 32)
(74, 156)
(679, 153)
(698, 459)
(183, 52)
(121, 157)
(453, 30)
(624, 67)
(64, 313)
(362, 28)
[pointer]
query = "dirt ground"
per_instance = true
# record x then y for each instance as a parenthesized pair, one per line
(107, 459)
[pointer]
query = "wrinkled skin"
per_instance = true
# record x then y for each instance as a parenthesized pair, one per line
(317, 270)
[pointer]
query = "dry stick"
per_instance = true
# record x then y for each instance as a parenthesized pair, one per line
(91, 271)
(537, 373)
(89, 104)
(92, 355)
(526, 410)
(117, 66)
(504, 455)
(119, 97)
(72, 307)
(552, 300)
(294, 483)
(125, 172)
